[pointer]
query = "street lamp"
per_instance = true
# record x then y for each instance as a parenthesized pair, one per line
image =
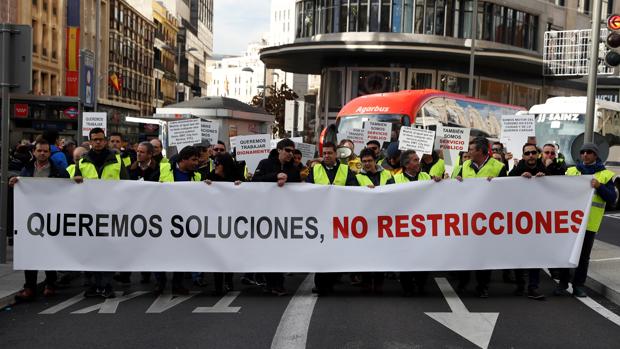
(176, 90)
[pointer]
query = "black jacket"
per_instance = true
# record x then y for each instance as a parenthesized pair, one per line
(556, 168)
(268, 169)
(521, 168)
(151, 174)
(55, 172)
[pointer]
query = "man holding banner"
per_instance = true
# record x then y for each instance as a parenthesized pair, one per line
(279, 168)
(590, 164)
(329, 172)
(480, 165)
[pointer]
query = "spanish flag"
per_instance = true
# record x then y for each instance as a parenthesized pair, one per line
(115, 81)
(73, 48)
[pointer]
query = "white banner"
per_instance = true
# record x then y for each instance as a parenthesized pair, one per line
(92, 120)
(258, 227)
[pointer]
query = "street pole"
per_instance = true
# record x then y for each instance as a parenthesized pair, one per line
(264, 87)
(97, 51)
(593, 71)
(78, 136)
(472, 51)
(5, 38)
(176, 87)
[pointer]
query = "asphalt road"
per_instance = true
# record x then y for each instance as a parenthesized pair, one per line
(610, 228)
(347, 319)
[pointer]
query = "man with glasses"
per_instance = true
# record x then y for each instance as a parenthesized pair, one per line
(530, 166)
(100, 163)
(554, 165)
(590, 164)
(278, 168)
(375, 146)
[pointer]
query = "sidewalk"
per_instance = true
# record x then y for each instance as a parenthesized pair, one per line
(603, 274)
(604, 270)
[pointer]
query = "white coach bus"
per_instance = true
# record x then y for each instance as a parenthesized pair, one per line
(561, 120)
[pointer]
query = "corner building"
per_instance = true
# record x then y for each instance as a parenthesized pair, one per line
(362, 47)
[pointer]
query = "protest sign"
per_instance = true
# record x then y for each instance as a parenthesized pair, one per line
(417, 139)
(274, 142)
(182, 133)
(378, 131)
(534, 223)
(210, 130)
(515, 131)
(357, 136)
(93, 120)
(251, 149)
(307, 151)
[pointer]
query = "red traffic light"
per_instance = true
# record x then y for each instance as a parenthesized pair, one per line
(613, 40)
(613, 22)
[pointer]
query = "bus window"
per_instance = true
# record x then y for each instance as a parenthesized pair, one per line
(560, 129)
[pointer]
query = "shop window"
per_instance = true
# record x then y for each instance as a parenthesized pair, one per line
(495, 91)
(457, 84)
(365, 82)
(335, 89)
(525, 96)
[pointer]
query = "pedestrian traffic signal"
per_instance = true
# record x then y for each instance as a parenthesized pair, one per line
(612, 58)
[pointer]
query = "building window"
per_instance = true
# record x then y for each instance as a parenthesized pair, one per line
(370, 81)
(495, 91)
(525, 96)
(455, 83)
(421, 79)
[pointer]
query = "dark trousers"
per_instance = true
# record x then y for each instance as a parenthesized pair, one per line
(324, 282)
(373, 279)
(581, 272)
(407, 279)
(220, 278)
(274, 280)
(483, 278)
(103, 278)
(533, 278)
(162, 278)
(31, 279)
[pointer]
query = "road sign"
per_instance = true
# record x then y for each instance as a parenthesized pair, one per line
(613, 22)
(87, 79)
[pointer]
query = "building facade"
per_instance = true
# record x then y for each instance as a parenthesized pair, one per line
(369, 46)
(165, 73)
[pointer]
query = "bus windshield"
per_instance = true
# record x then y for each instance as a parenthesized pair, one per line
(357, 121)
(561, 129)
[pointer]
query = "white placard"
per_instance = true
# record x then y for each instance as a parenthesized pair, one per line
(93, 120)
(515, 131)
(210, 130)
(301, 115)
(378, 131)
(307, 151)
(289, 115)
(452, 138)
(251, 149)
(274, 142)
(184, 132)
(417, 139)
(357, 136)
(534, 223)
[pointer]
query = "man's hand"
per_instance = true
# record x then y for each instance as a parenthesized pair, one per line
(78, 179)
(526, 175)
(437, 179)
(459, 178)
(508, 156)
(371, 186)
(237, 182)
(595, 184)
(207, 181)
(548, 162)
(282, 177)
(540, 174)
(13, 181)
(489, 178)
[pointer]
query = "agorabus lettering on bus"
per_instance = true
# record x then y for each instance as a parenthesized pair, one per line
(373, 109)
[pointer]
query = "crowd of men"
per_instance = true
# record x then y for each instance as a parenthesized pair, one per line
(111, 158)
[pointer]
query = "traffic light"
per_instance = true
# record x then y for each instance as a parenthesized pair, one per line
(612, 58)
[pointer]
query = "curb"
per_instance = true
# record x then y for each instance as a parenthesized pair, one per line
(607, 292)
(10, 299)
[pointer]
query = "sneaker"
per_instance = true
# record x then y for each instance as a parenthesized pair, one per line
(247, 281)
(92, 291)
(26, 295)
(578, 291)
(533, 294)
(107, 292)
(49, 291)
(180, 291)
(279, 292)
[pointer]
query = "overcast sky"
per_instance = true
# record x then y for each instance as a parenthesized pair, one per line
(238, 22)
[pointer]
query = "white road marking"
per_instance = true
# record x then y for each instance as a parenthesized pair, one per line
(594, 305)
(475, 327)
(109, 306)
(605, 259)
(222, 306)
(64, 305)
(292, 332)
(167, 301)
(613, 215)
